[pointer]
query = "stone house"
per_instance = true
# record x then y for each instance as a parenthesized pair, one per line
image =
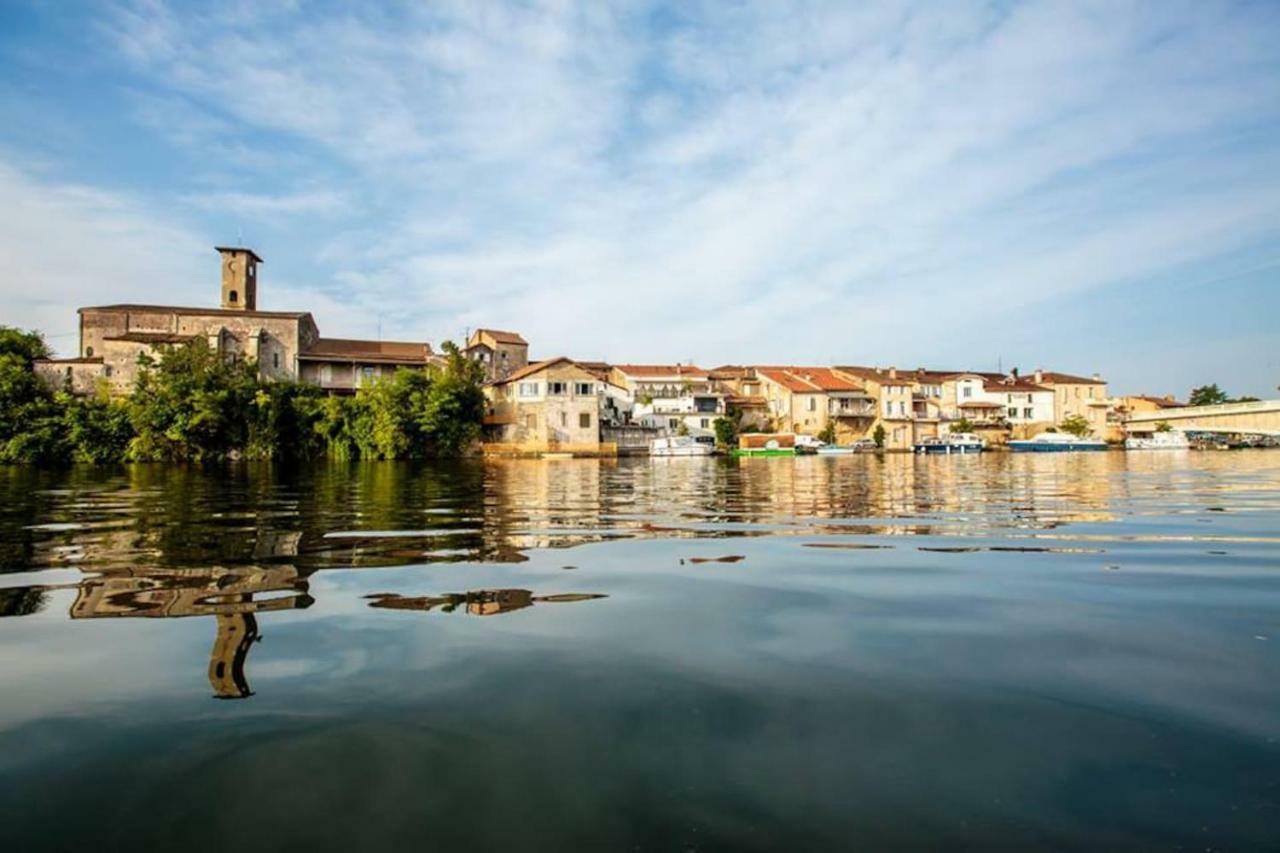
(548, 406)
(667, 396)
(806, 399)
(501, 353)
(1077, 395)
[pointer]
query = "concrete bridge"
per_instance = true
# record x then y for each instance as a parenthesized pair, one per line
(1258, 418)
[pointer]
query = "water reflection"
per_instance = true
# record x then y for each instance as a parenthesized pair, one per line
(480, 602)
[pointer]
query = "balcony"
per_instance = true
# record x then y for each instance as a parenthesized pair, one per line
(851, 408)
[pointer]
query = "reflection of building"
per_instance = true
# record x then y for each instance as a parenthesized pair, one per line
(480, 602)
(225, 593)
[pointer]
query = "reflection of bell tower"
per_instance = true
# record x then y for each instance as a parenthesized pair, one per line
(236, 633)
(239, 278)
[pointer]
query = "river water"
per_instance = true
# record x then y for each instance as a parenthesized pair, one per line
(1002, 651)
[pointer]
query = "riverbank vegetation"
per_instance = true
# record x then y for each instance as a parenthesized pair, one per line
(191, 404)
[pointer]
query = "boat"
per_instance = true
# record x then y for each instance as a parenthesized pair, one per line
(956, 442)
(1056, 442)
(1171, 439)
(808, 445)
(835, 450)
(679, 445)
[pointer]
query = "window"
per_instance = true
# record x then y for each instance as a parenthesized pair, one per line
(813, 404)
(1013, 411)
(557, 389)
(564, 419)
(584, 420)
(326, 374)
(1029, 398)
(1008, 398)
(528, 389)
(706, 423)
(1077, 392)
(968, 391)
(368, 372)
(531, 421)
(275, 360)
(1028, 413)
(88, 352)
(584, 389)
(673, 423)
(107, 370)
(232, 297)
(1090, 392)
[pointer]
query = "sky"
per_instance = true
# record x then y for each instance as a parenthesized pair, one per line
(1084, 187)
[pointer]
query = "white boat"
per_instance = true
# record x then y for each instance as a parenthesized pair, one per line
(1170, 439)
(956, 442)
(679, 445)
(1056, 442)
(835, 450)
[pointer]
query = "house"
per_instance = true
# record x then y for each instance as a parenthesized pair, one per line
(892, 393)
(283, 345)
(1077, 395)
(501, 353)
(806, 399)
(547, 406)
(670, 396)
(743, 397)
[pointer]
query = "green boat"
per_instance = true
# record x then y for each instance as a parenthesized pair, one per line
(765, 451)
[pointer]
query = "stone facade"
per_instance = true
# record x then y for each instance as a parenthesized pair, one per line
(501, 353)
(285, 345)
(547, 407)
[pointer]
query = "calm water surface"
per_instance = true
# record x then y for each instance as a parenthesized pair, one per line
(1041, 651)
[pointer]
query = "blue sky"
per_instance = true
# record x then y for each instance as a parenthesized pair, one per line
(1079, 186)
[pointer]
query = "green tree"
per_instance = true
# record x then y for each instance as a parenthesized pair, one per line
(455, 404)
(1163, 426)
(877, 435)
(726, 431)
(962, 425)
(28, 346)
(193, 404)
(1207, 395)
(828, 433)
(1077, 425)
(98, 428)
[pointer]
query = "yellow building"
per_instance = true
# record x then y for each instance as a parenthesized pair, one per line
(1077, 395)
(548, 406)
(501, 353)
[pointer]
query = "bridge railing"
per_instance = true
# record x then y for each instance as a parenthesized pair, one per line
(1206, 411)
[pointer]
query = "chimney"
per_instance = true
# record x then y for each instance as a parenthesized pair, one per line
(239, 278)
(1097, 377)
(1039, 376)
(1013, 374)
(893, 373)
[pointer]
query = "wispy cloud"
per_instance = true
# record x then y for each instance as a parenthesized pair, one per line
(889, 181)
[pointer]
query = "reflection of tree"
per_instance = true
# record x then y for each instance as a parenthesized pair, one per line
(22, 600)
(480, 602)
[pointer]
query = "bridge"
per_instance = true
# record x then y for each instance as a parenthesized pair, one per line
(1261, 417)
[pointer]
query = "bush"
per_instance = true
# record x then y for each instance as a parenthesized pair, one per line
(726, 433)
(878, 435)
(1077, 425)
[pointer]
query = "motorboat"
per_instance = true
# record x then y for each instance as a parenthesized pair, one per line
(679, 445)
(1056, 442)
(1170, 439)
(808, 444)
(956, 442)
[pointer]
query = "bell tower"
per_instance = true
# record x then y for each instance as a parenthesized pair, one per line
(239, 278)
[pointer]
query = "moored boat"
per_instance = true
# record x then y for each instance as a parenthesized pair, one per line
(1056, 442)
(1172, 439)
(956, 442)
(766, 444)
(679, 445)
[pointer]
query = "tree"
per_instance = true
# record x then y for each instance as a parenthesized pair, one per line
(877, 435)
(1207, 395)
(191, 405)
(28, 346)
(726, 433)
(1163, 426)
(962, 425)
(828, 434)
(1077, 425)
(455, 405)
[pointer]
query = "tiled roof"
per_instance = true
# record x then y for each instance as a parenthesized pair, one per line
(216, 312)
(978, 404)
(677, 370)
(1052, 378)
(502, 337)
(354, 350)
(1007, 385)
(530, 369)
(877, 374)
(808, 380)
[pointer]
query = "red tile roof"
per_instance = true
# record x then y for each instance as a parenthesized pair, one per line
(1049, 377)
(808, 380)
